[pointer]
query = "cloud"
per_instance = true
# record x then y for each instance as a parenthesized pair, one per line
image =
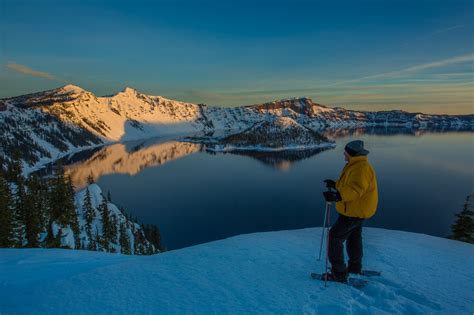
(414, 69)
(28, 71)
(469, 75)
(405, 79)
(447, 29)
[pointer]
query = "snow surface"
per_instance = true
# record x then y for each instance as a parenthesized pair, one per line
(256, 273)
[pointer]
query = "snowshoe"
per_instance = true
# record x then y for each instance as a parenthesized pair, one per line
(353, 282)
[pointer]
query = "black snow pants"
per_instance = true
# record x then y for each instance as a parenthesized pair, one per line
(350, 230)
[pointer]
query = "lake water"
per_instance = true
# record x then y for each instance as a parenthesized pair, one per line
(196, 197)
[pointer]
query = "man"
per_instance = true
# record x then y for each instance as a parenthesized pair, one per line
(356, 199)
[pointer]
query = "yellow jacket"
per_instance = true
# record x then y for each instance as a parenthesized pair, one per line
(358, 188)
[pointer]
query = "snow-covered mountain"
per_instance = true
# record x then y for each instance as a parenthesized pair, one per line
(126, 115)
(274, 134)
(50, 124)
(263, 273)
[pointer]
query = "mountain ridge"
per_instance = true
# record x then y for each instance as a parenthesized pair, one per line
(277, 103)
(49, 124)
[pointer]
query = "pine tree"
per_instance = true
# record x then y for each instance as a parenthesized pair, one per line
(57, 199)
(156, 237)
(106, 224)
(93, 241)
(89, 213)
(77, 231)
(463, 228)
(49, 241)
(138, 246)
(92, 244)
(3, 167)
(6, 215)
(14, 173)
(44, 213)
(113, 229)
(124, 241)
(73, 217)
(98, 242)
(152, 234)
(53, 241)
(33, 211)
(61, 206)
(109, 197)
(19, 212)
(122, 211)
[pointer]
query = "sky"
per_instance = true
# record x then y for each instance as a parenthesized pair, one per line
(415, 55)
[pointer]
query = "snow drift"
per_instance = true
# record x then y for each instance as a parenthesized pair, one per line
(257, 273)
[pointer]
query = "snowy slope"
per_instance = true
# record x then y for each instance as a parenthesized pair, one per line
(40, 137)
(134, 232)
(136, 240)
(248, 274)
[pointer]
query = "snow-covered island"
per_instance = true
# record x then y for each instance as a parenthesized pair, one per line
(273, 134)
(263, 273)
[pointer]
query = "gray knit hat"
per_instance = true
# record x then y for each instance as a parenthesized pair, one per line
(356, 148)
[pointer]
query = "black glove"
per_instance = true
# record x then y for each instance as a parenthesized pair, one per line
(332, 196)
(330, 183)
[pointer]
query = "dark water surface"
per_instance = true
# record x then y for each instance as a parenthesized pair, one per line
(196, 197)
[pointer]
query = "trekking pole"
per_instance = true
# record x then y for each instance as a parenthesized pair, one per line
(327, 244)
(328, 206)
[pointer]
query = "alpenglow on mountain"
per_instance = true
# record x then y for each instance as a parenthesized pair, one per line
(46, 125)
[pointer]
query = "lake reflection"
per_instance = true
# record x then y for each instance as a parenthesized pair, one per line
(196, 197)
(129, 158)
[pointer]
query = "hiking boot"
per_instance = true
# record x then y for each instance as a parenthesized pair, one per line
(335, 276)
(354, 269)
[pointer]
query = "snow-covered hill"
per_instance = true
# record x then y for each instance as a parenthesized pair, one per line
(50, 124)
(128, 237)
(249, 274)
(94, 223)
